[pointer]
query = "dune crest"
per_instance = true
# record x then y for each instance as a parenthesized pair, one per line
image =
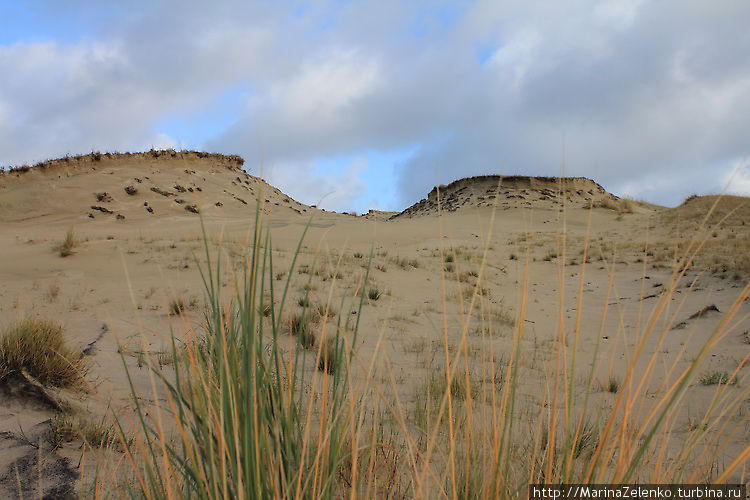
(506, 192)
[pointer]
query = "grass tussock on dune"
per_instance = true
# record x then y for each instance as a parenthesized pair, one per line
(621, 205)
(249, 415)
(68, 245)
(38, 346)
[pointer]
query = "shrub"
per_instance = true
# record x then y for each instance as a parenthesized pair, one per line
(39, 347)
(373, 294)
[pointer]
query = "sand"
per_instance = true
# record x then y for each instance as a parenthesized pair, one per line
(139, 220)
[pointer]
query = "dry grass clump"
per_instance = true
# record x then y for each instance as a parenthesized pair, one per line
(717, 378)
(621, 205)
(330, 359)
(405, 263)
(373, 293)
(38, 346)
(65, 428)
(301, 325)
(177, 306)
(68, 245)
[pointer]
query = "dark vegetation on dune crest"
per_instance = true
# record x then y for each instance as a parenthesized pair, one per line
(95, 157)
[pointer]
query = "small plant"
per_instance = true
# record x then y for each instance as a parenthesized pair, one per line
(66, 428)
(613, 384)
(266, 310)
(53, 292)
(462, 387)
(513, 257)
(300, 325)
(449, 258)
(358, 255)
(449, 268)
(330, 356)
(716, 378)
(373, 294)
(324, 310)
(586, 440)
(177, 306)
(68, 245)
(303, 301)
(38, 346)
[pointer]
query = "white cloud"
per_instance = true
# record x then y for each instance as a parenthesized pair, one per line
(304, 183)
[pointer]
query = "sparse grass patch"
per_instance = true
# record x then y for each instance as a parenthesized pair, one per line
(330, 356)
(405, 263)
(177, 306)
(38, 346)
(52, 292)
(716, 378)
(65, 428)
(373, 293)
(301, 326)
(463, 385)
(622, 205)
(417, 345)
(68, 245)
(612, 385)
(325, 310)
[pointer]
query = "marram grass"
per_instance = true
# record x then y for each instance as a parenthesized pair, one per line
(248, 418)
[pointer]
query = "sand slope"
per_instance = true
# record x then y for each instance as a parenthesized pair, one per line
(113, 294)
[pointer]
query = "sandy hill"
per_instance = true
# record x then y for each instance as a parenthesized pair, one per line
(505, 192)
(136, 187)
(111, 248)
(726, 210)
(142, 187)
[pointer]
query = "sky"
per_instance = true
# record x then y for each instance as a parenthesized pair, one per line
(354, 105)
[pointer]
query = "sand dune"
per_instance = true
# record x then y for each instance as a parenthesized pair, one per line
(137, 220)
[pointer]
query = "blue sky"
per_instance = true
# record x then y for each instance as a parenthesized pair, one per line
(367, 104)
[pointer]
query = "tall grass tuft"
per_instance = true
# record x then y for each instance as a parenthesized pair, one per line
(251, 413)
(243, 424)
(38, 346)
(68, 245)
